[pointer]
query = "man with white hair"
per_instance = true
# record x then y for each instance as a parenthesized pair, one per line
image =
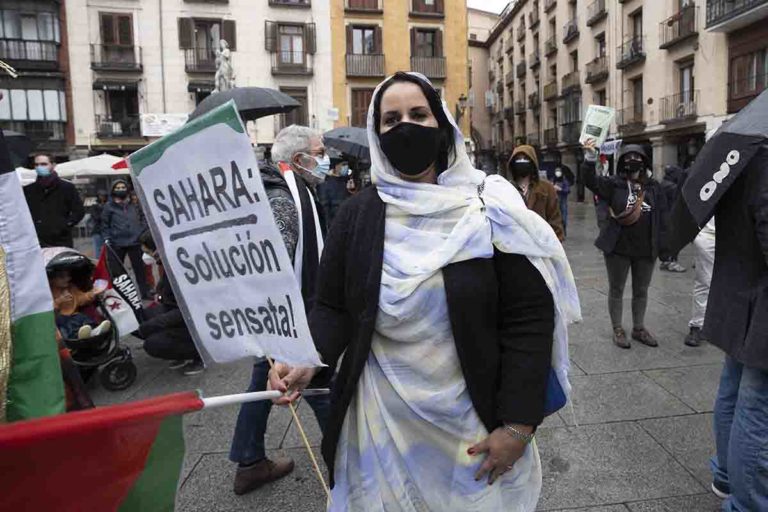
(299, 164)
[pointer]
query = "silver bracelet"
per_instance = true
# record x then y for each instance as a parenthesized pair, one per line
(516, 434)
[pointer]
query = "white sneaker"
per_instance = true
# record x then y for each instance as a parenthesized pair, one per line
(84, 332)
(103, 327)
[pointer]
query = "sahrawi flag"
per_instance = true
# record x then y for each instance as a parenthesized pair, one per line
(121, 298)
(123, 457)
(30, 373)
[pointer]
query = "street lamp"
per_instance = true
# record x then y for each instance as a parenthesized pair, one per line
(461, 107)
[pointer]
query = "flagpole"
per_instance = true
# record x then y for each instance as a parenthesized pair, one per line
(242, 398)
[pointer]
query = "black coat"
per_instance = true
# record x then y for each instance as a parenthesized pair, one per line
(737, 310)
(122, 223)
(55, 211)
(613, 190)
(501, 310)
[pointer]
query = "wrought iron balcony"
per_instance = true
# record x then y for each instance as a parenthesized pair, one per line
(571, 132)
(431, 67)
(631, 52)
(550, 46)
(571, 82)
(365, 65)
(550, 91)
(292, 63)
(596, 12)
(550, 136)
(114, 127)
(680, 27)
(106, 57)
(521, 69)
(549, 4)
(23, 54)
(199, 60)
(570, 31)
(631, 119)
(535, 58)
(597, 70)
(729, 15)
(679, 107)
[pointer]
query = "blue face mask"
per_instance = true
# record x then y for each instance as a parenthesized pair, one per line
(43, 171)
(323, 165)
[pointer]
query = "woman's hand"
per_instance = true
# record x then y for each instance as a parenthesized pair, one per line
(503, 451)
(290, 381)
(589, 146)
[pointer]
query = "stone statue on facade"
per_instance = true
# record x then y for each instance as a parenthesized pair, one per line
(225, 74)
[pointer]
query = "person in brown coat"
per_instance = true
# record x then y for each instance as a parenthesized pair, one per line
(539, 195)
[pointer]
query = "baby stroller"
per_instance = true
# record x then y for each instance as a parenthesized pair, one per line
(100, 353)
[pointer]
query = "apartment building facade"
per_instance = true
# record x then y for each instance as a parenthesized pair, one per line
(33, 41)
(653, 61)
(372, 39)
(144, 57)
(480, 24)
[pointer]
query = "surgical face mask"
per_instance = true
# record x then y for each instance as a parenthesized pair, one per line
(344, 171)
(321, 170)
(558, 173)
(43, 170)
(411, 148)
(147, 259)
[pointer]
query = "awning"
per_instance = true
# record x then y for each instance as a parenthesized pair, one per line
(115, 85)
(200, 87)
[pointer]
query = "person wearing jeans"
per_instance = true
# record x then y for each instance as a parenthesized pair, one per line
(632, 238)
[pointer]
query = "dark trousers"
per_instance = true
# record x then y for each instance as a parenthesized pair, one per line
(166, 335)
(642, 273)
(117, 257)
(248, 442)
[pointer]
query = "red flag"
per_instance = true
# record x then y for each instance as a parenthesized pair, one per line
(123, 457)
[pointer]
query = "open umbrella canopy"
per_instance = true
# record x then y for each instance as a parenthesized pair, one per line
(99, 165)
(252, 102)
(350, 140)
(719, 163)
(19, 146)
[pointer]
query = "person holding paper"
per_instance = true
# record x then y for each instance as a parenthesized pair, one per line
(449, 299)
(539, 195)
(633, 236)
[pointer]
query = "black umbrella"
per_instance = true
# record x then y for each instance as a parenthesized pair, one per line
(252, 102)
(719, 163)
(19, 147)
(350, 140)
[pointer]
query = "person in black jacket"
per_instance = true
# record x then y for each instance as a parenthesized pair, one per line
(632, 238)
(95, 222)
(673, 179)
(55, 205)
(447, 333)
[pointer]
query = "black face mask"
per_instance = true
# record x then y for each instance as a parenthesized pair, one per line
(631, 167)
(120, 194)
(521, 169)
(410, 147)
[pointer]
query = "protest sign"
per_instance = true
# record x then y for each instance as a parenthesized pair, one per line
(210, 216)
(597, 122)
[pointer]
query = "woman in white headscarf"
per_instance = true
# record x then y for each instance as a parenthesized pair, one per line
(448, 300)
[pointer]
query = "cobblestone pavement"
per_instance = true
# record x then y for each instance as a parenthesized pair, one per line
(637, 439)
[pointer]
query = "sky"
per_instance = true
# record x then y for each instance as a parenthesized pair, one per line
(488, 5)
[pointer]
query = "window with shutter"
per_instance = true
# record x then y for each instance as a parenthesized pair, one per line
(186, 29)
(363, 41)
(361, 99)
(300, 115)
(270, 36)
(107, 28)
(229, 34)
(310, 38)
(292, 48)
(116, 29)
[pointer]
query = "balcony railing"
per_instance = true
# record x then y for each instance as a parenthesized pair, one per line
(597, 70)
(510, 77)
(365, 65)
(115, 58)
(290, 3)
(535, 58)
(571, 132)
(199, 60)
(114, 127)
(631, 119)
(40, 132)
(570, 31)
(571, 82)
(533, 139)
(30, 54)
(631, 52)
(521, 30)
(679, 107)
(596, 12)
(683, 25)
(431, 67)
(550, 91)
(720, 11)
(549, 4)
(292, 63)
(533, 19)
(550, 46)
(550, 136)
(534, 101)
(362, 5)
(521, 69)
(520, 107)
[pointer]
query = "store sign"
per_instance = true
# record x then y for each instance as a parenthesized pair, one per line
(160, 125)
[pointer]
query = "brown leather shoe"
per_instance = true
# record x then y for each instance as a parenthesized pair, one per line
(620, 338)
(250, 478)
(644, 337)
